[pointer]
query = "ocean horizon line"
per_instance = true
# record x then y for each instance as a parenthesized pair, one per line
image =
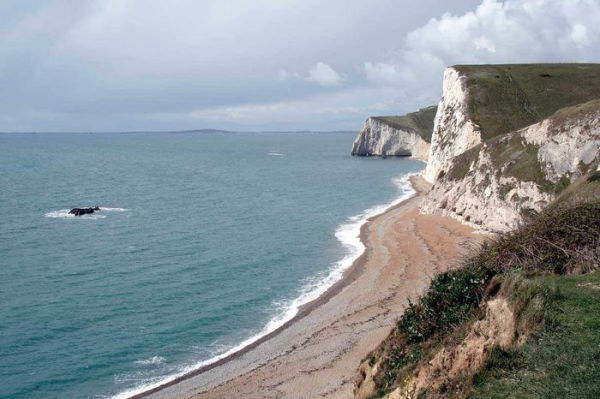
(185, 131)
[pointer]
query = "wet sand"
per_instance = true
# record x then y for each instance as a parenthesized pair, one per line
(318, 352)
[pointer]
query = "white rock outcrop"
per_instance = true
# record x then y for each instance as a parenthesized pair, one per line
(564, 147)
(453, 131)
(381, 139)
(498, 181)
(483, 199)
(489, 198)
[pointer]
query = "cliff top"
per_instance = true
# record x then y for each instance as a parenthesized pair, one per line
(421, 122)
(505, 98)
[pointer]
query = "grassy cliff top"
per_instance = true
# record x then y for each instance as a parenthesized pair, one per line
(421, 122)
(504, 98)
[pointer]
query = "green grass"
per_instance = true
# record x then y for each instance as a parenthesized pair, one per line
(519, 160)
(510, 156)
(560, 240)
(420, 122)
(585, 189)
(461, 164)
(561, 362)
(505, 98)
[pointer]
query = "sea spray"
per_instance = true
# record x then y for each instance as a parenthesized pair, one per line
(64, 214)
(153, 361)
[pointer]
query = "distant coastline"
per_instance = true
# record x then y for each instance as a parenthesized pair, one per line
(192, 131)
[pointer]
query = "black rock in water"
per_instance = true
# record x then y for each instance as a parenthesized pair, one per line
(83, 211)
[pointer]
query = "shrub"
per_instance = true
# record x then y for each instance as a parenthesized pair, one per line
(559, 240)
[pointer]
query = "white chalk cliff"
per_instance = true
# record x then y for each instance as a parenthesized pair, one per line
(494, 184)
(382, 139)
(491, 179)
(453, 131)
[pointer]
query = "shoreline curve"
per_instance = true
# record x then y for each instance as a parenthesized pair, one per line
(349, 275)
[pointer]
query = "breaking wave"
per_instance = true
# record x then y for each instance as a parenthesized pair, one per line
(348, 234)
(64, 214)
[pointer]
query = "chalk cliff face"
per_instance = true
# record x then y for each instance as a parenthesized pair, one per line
(453, 131)
(495, 183)
(506, 140)
(383, 139)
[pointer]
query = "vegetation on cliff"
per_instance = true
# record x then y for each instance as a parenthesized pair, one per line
(505, 98)
(421, 122)
(563, 360)
(512, 156)
(433, 351)
(538, 131)
(583, 190)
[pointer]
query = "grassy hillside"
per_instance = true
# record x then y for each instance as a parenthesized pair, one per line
(545, 270)
(504, 98)
(586, 189)
(421, 121)
(512, 157)
(563, 361)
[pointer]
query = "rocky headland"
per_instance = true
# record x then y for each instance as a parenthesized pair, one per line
(505, 140)
(407, 135)
(514, 150)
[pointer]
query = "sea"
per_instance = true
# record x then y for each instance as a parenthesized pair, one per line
(204, 243)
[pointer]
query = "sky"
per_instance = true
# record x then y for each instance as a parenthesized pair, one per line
(256, 65)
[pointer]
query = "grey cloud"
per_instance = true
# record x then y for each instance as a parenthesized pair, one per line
(133, 64)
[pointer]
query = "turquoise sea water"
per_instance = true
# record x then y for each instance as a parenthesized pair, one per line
(204, 242)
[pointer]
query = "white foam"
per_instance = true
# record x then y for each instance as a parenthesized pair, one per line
(152, 360)
(275, 154)
(64, 214)
(349, 235)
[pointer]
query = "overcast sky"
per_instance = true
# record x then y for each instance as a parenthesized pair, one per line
(112, 65)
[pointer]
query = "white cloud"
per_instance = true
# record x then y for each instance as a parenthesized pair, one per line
(381, 73)
(512, 31)
(579, 35)
(324, 75)
(484, 43)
